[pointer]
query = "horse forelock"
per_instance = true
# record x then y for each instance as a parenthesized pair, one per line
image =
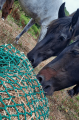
(57, 24)
(54, 27)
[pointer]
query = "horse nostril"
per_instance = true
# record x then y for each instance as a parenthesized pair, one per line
(40, 78)
(48, 86)
(32, 61)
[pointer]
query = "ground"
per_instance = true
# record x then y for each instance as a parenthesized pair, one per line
(61, 106)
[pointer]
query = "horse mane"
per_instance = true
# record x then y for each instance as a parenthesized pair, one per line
(58, 24)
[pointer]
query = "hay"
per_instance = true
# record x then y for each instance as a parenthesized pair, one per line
(21, 95)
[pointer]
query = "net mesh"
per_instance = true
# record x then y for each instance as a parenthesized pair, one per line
(21, 95)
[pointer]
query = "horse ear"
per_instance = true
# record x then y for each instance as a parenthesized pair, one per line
(10, 10)
(61, 12)
(0, 7)
(74, 19)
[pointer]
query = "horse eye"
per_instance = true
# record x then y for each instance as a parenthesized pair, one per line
(6, 12)
(62, 38)
(48, 50)
(75, 52)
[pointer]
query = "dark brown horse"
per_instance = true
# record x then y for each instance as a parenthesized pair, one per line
(58, 36)
(62, 72)
(7, 8)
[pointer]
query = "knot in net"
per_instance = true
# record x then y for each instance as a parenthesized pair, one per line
(21, 95)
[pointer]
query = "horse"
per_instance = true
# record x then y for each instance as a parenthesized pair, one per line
(59, 34)
(7, 8)
(62, 72)
(42, 12)
(2, 3)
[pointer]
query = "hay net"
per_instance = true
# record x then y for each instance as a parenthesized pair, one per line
(21, 95)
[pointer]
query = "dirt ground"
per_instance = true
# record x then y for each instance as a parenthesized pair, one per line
(61, 106)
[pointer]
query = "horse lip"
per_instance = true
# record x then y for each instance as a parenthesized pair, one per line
(48, 94)
(34, 65)
(48, 91)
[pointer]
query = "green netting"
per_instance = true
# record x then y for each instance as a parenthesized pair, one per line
(21, 95)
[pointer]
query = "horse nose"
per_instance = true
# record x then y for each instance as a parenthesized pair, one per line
(40, 78)
(31, 58)
(32, 61)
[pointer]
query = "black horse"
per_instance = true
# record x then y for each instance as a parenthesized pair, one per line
(58, 36)
(62, 72)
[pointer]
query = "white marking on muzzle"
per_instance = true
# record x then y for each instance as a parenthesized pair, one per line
(3, 19)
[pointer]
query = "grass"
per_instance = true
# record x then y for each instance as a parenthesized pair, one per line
(21, 19)
(77, 97)
(69, 107)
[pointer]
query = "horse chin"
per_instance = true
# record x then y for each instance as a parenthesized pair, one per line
(48, 93)
(35, 64)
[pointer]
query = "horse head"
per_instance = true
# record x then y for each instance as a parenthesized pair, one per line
(7, 8)
(58, 36)
(62, 72)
